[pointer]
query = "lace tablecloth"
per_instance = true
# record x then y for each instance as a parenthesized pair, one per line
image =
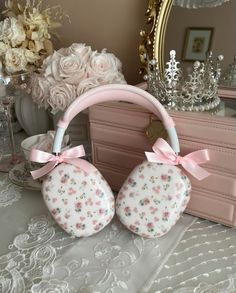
(37, 256)
(203, 262)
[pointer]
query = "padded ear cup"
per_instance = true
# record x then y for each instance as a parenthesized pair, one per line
(81, 203)
(152, 199)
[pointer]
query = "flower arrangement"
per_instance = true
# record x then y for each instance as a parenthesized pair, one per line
(25, 35)
(69, 72)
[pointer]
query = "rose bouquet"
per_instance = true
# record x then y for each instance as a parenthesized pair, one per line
(69, 72)
(25, 35)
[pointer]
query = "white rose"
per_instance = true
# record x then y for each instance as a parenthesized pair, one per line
(50, 286)
(15, 60)
(5, 30)
(17, 32)
(115, 59)
(12, 31)
(50, 62)
(104, 66)
(81, 50)
(3, 48)
(40, 90)
(61, 95)
(70, 68)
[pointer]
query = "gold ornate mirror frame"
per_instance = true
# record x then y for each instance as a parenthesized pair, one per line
(152, 44)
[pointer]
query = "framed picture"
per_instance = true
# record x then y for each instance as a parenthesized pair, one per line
(197, 43)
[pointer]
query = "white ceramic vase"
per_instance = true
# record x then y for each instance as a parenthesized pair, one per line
(33, 120)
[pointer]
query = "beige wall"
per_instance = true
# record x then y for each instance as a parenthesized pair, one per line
(111, 24)
(115, 25)
(222, 18)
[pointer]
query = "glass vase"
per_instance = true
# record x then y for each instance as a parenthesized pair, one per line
(10, 88)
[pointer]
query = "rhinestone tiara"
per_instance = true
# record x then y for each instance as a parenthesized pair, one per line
(199, 92)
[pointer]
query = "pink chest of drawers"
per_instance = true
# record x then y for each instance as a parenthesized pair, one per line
(118, 144)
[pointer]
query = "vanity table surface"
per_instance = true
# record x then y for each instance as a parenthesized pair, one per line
(196, 256)
(36, 255)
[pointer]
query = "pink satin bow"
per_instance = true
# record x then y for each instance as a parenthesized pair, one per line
(163, 153)
(69, 156)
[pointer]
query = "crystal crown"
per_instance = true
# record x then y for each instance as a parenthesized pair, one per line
(199, 92)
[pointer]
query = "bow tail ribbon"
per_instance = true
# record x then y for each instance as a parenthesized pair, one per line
(44, 170)
(195, 170)
(163, 153)
(69, 156)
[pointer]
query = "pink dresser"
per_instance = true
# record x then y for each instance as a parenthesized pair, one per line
(119, 140)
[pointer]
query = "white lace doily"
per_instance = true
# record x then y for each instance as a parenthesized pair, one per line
(204, 262)
(45, 259)
(9, 192)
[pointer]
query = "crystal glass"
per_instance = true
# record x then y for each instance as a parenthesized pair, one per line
(10, 88)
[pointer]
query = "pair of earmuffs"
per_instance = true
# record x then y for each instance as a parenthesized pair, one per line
(151, 199)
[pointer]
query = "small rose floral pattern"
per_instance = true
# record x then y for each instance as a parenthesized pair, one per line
(152, 199)
(81, 203)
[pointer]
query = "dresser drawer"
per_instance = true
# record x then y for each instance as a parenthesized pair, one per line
(126, 138)
(222, 185)
(125, 159)
(119, 141)
(205, 128)
(115, 177)
(118, 158)
(213, 130)
(119, 114)
(79, 129)
(202, 203)
(211, 207)
(221, 159)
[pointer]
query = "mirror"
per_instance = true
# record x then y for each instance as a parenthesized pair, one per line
(172, 34)
(221, 19)
(152, 44)
(217, 28)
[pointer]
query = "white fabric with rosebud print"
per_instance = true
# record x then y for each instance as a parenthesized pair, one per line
(81, 203)
(152, 199)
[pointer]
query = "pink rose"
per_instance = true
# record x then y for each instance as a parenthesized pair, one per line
(165, 215)
(81, 50)
(40, 90)
(60, 96)
(78, 205)
(150, 225)
(164, 177)
(49, 63)
(63, 51)
(70, 69)
(105, 67)
(87, 84)
(118, 77)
